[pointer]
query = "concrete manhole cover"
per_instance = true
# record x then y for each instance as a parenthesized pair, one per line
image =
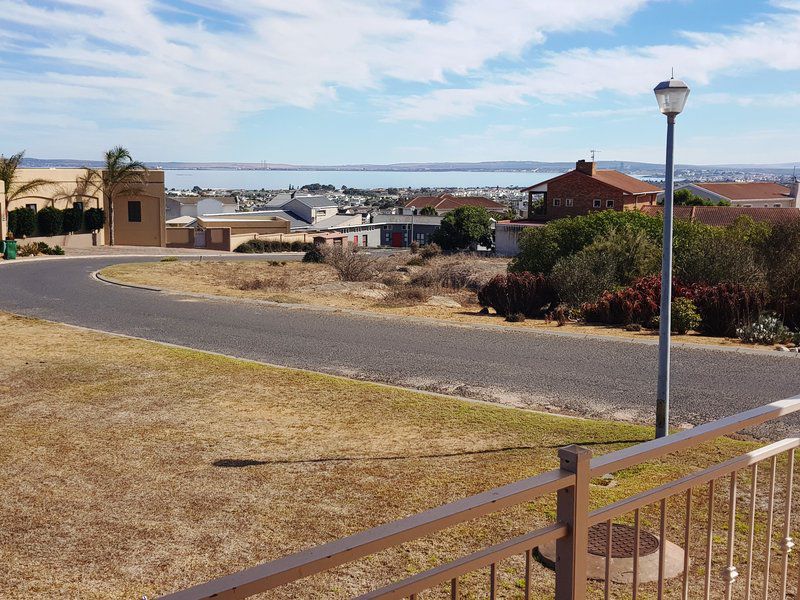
(622, 542)
(623, 538)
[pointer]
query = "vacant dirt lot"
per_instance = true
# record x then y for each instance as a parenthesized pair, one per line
(445, 288)
(130, 468)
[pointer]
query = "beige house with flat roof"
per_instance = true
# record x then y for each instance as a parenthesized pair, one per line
(139, 220)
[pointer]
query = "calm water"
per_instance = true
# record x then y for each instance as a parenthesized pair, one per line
(272, 180)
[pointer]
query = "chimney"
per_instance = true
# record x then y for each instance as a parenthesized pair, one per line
(794, 193)
(586, 167)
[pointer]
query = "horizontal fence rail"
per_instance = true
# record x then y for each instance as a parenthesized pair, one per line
(569, 532)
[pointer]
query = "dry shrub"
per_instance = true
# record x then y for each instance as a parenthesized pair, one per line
(251, 284)
(458, 273)
(351, 264)
(408, 295)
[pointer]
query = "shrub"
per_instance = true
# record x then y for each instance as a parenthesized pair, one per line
(612, 260)
(429, 251)
(169, 259)
(711, 255)
(94, 219)
(526, 293)
(767, 329)
(414, 247)
(73, 219)
(407, 295)
(22, 222)
(541, 247)
(582, 277)
(684, 316)
(726, 306)
(36, 248)
(262, 246)
(456, 274)
(314, 255)
(516, 318)
(50, 220)
(350, 264)
(638, 303)
(780, 252)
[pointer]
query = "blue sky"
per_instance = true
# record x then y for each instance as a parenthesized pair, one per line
(351, 81)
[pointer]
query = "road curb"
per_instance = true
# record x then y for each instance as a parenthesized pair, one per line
(445, 323)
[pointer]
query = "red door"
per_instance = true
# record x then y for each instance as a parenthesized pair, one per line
(397, 239)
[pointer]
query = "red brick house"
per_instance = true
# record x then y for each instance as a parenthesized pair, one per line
(444, 203)
(588, 189)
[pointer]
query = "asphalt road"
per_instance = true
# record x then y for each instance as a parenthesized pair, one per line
(593, 377)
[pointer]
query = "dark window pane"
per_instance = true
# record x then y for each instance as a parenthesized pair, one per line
(134, 211)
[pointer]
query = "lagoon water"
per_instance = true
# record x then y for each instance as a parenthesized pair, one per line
(272, 180)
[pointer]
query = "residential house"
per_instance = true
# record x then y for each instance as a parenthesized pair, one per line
(588, 189)
(396, 231)
(139, 219)
(747, 194)
(444, 203)
(194, 206)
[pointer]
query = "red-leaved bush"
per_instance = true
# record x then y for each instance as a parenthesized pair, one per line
(726, 306)
(638, 303)
(513, 293)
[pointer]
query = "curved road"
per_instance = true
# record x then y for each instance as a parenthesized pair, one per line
(594, 377)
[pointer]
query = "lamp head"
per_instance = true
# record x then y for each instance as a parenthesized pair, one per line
(671, 96)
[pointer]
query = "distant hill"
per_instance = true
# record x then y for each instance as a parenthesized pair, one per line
(640, 168)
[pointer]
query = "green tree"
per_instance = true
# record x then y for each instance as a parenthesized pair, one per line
(685, 197)
(8, 174)
(119, 177)
(428, 211)
(465, 227)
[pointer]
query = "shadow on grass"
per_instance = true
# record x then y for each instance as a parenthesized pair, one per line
(234, 463)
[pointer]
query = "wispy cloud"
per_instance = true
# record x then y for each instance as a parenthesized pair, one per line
(138, 60)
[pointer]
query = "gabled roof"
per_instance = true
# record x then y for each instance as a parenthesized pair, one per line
(723, 216)
(449, 202)
(751, 190)
(315, 201)
(621, 181)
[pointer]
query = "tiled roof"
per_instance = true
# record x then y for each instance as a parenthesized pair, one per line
(723, 216)
(753, 190)
(626, 183)
(448, 201)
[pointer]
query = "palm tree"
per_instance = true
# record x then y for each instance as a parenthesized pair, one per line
(8, 174)
(120, 176)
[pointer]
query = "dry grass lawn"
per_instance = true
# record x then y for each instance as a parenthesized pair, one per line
(119, 479)
(318, 284)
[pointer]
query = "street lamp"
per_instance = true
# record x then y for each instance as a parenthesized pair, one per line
(671, 96)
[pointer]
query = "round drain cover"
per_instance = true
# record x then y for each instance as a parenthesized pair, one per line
(622, 541)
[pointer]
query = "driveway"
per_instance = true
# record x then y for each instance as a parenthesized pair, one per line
(592, 377)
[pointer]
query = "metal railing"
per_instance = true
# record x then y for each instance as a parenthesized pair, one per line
(570, 531)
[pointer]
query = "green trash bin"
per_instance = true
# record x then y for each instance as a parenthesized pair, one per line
(10, 250)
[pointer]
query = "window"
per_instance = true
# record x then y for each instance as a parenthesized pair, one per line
(776, 206)
(556, 201)
(609, 204)
(597, 203)
(31, 206)
(568, 202)
(78, 205)
(134, 211)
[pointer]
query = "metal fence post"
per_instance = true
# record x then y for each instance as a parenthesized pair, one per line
(573, 510)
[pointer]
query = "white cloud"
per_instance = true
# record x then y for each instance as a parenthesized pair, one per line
(130, 61)
(773, 44)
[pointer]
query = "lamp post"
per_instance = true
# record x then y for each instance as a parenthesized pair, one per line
(671, 96)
